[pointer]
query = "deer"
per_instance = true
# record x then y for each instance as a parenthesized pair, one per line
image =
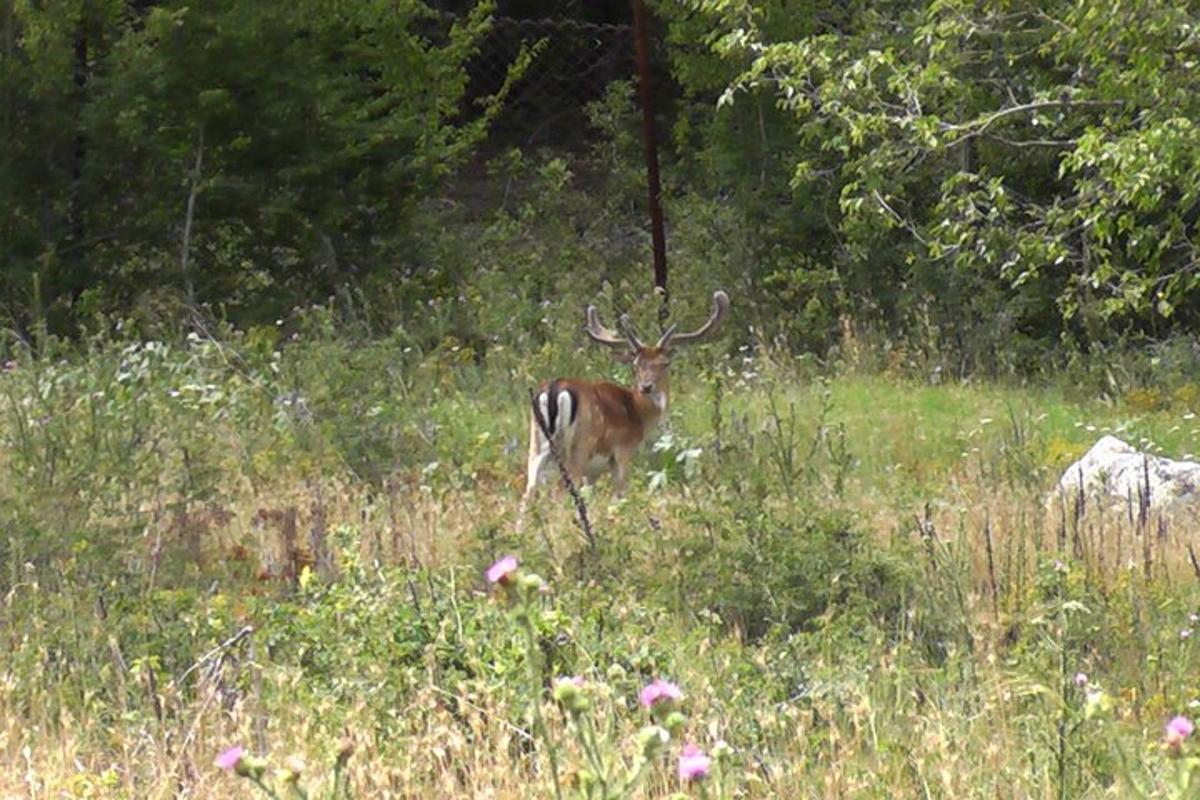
(598, 425)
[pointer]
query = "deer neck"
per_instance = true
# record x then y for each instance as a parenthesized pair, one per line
(652, 407)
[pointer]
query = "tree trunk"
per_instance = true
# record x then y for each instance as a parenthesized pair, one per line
(185, 247)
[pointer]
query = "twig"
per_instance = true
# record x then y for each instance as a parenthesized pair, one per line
(977, 127)
(189, 217)
(580, 508)
(1192, 558)
(1032, 142)
(991, 563)
(216, 651)
(524, 734)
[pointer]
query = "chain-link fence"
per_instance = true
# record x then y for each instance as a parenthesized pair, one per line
(574, 62)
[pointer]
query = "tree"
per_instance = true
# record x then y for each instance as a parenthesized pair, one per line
(250, 154)
(1015, 168)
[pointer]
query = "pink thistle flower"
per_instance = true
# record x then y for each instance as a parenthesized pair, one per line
(568, 686)
(229, 759)
(502, 571)
(693, 764)
(1177, 730)
(658, 691)
(1080, 679)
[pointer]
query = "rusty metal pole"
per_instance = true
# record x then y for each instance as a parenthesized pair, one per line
(650, 146)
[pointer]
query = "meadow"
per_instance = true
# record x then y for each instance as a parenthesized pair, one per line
(858, 576)
(276, 281)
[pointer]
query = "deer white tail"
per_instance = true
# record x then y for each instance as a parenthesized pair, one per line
(560, 407)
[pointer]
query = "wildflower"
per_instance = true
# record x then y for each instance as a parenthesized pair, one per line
(651, 740)
(1177, 730)
(290, 774)
(693, 764)
(502, 571)
(675, 722)
(1097, 704)
(569, 693)
(533, 584)
(1186, 633)
(1080, 679)
(230, 758)
(659, 691)
(238, 761)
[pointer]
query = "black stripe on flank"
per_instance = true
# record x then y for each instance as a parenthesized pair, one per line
(552, 391)
(574, 405)
(552, 406)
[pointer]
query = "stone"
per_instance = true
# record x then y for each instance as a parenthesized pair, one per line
(1117, 470)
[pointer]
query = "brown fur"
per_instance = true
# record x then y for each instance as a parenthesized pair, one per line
(611, 420)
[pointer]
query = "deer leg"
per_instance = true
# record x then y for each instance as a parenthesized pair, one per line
(539, 453)
(620, 472)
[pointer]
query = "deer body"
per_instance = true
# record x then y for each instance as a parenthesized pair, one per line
(597, 425)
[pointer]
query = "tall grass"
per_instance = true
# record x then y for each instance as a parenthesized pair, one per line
(857, 578)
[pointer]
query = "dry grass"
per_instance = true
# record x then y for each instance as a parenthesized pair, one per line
(978, 724)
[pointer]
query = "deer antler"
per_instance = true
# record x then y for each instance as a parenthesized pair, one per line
(602, 335)
(720, 310)
(626, 326)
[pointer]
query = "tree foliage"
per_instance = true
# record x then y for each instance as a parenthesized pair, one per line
(1024, 165)
(983, 180)
(245, 154)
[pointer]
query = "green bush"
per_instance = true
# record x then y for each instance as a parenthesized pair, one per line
(761, 570)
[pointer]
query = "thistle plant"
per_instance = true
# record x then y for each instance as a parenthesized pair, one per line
(284, 781)
(520, 590)
(607, 771)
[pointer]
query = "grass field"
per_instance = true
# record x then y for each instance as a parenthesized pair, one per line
(862, 583)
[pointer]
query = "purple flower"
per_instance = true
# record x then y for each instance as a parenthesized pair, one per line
(658, 691)
(501, 572)
(1080, 679)
(693, 764)
(1178, 729)
(229, 759)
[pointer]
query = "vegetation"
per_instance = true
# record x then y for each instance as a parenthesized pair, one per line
(855, 580)
(265, 388)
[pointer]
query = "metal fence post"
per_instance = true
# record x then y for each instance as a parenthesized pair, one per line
(650, 146)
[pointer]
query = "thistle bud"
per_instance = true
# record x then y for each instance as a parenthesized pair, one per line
(651, 740)
(530, 584)
(571, 695)
(251, 767)
(675, 722)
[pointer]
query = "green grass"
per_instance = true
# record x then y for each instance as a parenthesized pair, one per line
(812, 567)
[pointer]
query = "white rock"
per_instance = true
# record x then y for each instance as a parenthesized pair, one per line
(1118, 470)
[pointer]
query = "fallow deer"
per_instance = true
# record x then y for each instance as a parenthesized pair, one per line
(598, 425)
